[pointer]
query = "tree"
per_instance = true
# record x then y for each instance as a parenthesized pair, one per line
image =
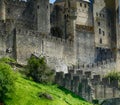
(7, 81)
(39, 70)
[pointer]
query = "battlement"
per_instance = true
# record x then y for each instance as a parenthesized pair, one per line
(101, 68)
(88, 86)
(43, 36)
(16, 2)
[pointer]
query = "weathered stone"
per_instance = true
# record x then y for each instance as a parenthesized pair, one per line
(45, 95)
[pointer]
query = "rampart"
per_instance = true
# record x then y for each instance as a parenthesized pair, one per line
(88, 86)
(60, 53)
(101, 68)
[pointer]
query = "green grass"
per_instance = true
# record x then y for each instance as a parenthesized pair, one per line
(26, 93)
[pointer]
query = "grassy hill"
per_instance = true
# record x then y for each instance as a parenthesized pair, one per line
(27, 91)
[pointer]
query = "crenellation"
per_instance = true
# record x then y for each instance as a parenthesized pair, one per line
(90, 88)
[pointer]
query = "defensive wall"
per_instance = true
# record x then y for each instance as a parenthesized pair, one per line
(87, 85)
(101, 68)
(59, 52)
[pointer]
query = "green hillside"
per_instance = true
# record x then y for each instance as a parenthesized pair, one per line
(27, 91)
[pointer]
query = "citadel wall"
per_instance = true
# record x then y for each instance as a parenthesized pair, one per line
(43, 16)
(85, 44)
(58, 52)
(21, 13)
(87, 86)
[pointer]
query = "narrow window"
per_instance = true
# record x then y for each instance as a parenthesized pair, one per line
(96, 14)
(99, 31)
(98, 23)
(103, 33)
(38, 7)
(81, 4)
(100, 41)
(85, 6)
(8, 10)
(103, 15)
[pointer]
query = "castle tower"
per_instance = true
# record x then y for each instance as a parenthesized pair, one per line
(43, 16)
(2, 10)
(103, 28)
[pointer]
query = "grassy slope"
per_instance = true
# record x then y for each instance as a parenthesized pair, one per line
(26, 93)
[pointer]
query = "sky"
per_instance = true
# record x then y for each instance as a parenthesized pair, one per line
(51, 1)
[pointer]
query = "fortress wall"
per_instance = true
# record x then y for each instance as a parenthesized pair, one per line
(27, 43)
(90, 88)
(102, 24)
(58, 52)
(85, 47)
(14, 10)
(22, 14)
(101, 68)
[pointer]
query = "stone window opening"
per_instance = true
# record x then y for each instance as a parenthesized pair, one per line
(81, 4)
(38, 7)
(98, 23)
(99, 31)
(85, 5)
(96, 14)
(103, 33)
(8, 10)
(103, 15)
(100, 41)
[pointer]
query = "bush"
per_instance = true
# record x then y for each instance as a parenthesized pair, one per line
(114, 75)
(7, 81)
(39, 70)
(7, 60)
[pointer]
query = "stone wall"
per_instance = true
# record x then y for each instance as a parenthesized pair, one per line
(88, 86)
(84, 13)
(43, 16)
(2, 41)
(101, 68)
(59, 52)
(85, 47)
(102, 24)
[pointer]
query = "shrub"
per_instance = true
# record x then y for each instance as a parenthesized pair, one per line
(7, 81)
(114, 75)
(7, 60)
(39, 70)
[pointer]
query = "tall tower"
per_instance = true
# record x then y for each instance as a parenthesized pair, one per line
(43, 16)
(2, 10)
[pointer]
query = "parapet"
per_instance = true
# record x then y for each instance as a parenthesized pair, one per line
(16, 2)
(43, 36)
(93, 65)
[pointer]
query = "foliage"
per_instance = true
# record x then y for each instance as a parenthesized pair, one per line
(114, 75)
(7, 81)
(26, 93)
(39, 70)
(7, 60)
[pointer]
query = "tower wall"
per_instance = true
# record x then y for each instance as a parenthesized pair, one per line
(43, 16)
(2, 10)
(102, 24)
